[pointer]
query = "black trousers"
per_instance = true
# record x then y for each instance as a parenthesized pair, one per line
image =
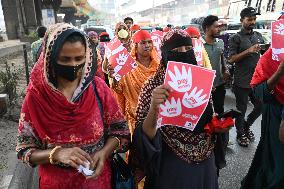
(218, 97)
(222, 139)
(242, 97)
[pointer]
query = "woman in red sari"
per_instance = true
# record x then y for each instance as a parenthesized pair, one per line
(69, 117)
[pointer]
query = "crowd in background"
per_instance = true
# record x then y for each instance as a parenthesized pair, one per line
(77, 114)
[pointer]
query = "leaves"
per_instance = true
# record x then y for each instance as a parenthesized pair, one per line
(9, 81)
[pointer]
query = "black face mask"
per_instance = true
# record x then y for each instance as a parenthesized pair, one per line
(67, 72)
(186, 57)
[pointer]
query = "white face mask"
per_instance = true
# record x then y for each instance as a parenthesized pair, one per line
(123, 34)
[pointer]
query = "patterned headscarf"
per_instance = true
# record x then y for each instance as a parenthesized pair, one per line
(127, 41)
(173, 39)
(93, 33)
(117, 26)
(52, 43)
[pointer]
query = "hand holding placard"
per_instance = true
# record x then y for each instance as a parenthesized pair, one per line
(187, 101)
(171, 109)
(120, 59)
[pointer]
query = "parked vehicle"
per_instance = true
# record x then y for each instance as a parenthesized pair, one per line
(147, 28)
(260, 24)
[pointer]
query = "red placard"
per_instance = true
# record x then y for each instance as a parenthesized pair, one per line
(119, 58)
(277, 43)
(157, 37)
(198, 48)
(191, 86)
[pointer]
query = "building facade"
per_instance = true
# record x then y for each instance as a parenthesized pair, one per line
(176, 12)
(269, 9)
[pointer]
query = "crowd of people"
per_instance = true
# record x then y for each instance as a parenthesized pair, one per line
(75, 113)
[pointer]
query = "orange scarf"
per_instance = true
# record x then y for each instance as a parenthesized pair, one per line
(128, 90)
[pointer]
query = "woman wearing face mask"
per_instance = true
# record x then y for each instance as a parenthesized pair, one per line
(69, 117)
(171, 157)
(123, 34)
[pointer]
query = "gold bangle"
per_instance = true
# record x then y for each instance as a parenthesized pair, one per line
(52, 153)
(118, 140)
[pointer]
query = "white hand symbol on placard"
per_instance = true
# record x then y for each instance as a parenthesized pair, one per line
(194, 99)
(279, 29)
(181, 81)
(122, 58)
(171, 109)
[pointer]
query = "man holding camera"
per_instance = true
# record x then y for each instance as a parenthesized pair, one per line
(244, 51)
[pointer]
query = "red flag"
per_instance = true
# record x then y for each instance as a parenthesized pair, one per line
(190, 96)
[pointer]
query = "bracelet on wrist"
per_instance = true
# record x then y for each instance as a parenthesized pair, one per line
(51, 160)
(27, 157)
(119, 143)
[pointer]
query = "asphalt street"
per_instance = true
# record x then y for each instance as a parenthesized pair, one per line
(238, 158)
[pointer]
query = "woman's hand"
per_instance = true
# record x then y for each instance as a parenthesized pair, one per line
(274, 79)
(226, 76)
(98, 163)
(72, 156)
(110, 70)
(159, 96)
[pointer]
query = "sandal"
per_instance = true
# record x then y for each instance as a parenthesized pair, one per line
(250, 135)
(248, 132)
(243, 140)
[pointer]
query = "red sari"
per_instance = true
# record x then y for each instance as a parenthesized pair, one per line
(48, 119)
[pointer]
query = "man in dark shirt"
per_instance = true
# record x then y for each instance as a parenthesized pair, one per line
(244, 51)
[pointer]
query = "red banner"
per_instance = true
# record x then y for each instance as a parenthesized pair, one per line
(277, 43)
(198, 48)
(119, 58)
(190, 96)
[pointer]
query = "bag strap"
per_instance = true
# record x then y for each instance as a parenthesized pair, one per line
(98, 100)
(100, 108)
(101, 111)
